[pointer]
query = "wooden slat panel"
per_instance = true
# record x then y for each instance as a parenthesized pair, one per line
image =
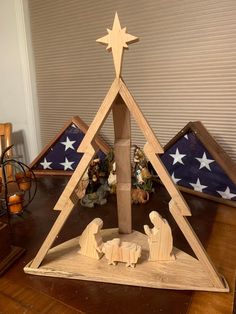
(183, 69)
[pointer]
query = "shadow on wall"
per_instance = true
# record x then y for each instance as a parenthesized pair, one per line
(20, 151)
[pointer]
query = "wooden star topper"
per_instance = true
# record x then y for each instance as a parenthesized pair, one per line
(117, 39)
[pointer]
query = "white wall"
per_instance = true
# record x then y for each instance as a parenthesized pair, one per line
(17, 93)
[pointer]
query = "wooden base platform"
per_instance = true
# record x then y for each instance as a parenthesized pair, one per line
(185, 273)
(8, 260)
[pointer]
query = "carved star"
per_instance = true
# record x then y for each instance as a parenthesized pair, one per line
(116, 40)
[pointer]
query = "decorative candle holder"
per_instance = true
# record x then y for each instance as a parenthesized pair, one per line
(18, 190)
(23, 180)
(15, 202)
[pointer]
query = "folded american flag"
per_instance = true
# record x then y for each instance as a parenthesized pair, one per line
(191, 165)
(63, 155)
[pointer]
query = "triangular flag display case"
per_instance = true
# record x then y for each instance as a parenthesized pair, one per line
(59, 157)
(200, 166)
(180, 272)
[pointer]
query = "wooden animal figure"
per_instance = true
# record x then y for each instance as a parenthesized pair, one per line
(117, 251)
(98, 197)
(139, 196)
(159, 239)
(91, 240)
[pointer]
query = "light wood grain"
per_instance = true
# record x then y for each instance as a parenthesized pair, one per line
(140, 119)
(117, 39)
(185, 272)
(122, 159)
(65, 204)
(160, 239)
(196, 245)
(121, 119)
(90, 240)
(215, 224)
(122, 128)
(116, 250)
(100, 116)
(123, 192)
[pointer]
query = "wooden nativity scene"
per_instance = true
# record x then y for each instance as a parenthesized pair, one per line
(101, 254)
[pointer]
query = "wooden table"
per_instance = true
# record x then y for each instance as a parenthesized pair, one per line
(214, 224)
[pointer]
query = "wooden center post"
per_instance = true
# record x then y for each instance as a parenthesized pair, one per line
(122, 128)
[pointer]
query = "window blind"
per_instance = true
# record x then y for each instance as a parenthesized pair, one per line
(182, 69)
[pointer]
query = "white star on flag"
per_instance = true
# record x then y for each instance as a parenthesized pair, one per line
(46, 164)
(186, 136)
(198, 186)
(177, 157)
(204, 162)
(226, 194)
(67, 164)
(175, 180)
(68, 144)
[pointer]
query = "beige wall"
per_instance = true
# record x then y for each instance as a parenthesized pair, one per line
(183, 69)
(15, 103)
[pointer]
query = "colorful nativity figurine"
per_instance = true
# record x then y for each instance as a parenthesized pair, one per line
(94, 176)
(159, 239)
(141, 171)
(97, 188)
(96, 198)
(142, 176)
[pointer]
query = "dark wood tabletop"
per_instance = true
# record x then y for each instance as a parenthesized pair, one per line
(215, 225)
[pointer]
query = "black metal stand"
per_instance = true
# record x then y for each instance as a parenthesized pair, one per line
(28, 175)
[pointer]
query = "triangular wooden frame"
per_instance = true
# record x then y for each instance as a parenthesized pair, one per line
(215, 150)
(82, 126)
(122, 103)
